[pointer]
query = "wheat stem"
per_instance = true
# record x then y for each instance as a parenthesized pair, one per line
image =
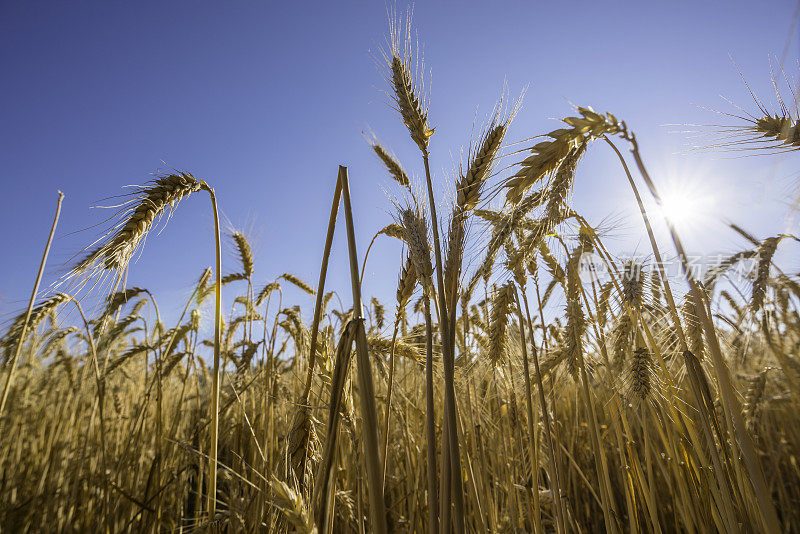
(366, 387)
(13, 362)
(654, 245)
(553, 471)
(215, 379)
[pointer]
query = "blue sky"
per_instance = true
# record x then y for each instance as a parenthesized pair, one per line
(265, 99)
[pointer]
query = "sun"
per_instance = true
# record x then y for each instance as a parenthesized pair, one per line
(686, 202)
(680, 207)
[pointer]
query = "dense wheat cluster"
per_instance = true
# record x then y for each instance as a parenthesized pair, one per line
(511, 386)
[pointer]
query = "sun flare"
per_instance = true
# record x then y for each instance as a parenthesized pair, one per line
(686, 203)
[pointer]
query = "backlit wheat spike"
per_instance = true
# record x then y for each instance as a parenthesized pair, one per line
(768, 130)
(656, 287)
(576, 321)
(552, 265)
(548, 155)
(297, 444)
(483, 272)
(764, 261)
(392, 165)
(292, 279)
(382, 345)
(640, 373)
(632, 284)
(602, 305)
(715, 272)
(622, 339)
(394, 230)
(149, 203)
(379, 311)
(120, 298)
(753, 398)
(38, 314)
(245, 253)
(515, 263)
(771, 131)
(492, 217)
(546, 158)
(411, 106)
(784, 129)
(293, 506)
(406, 283)
(265, 292)
(203, 289)
(501, 307)
(417, 237)
(559, 190)
(233, 277)
(57, 339)
(326, 299)
(513, 221)
(469, 187)
(194, 319)
(454, 251)
(692, 327)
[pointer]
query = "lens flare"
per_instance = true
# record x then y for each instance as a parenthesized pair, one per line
(686, 203)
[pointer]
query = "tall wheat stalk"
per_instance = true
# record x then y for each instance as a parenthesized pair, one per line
(215, 378)
(12, 363)
(366, 388)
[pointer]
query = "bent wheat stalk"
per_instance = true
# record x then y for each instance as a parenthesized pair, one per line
(214, 453)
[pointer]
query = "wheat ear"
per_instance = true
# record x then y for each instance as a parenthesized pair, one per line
(148, 204)
(245, 253)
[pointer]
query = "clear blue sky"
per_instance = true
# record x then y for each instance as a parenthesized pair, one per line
(265, 99)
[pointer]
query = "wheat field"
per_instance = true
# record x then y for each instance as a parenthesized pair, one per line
(525, 379)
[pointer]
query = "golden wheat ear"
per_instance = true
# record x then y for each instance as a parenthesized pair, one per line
(771, 130)
(471, 183)
(547, 156)
(501, 307)
(37, 316)
(135, 220)
(245, 252)
(641, 374)
(766, 251)
(390, 161)
(292, 279)
(416, 232)
(406, 82)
